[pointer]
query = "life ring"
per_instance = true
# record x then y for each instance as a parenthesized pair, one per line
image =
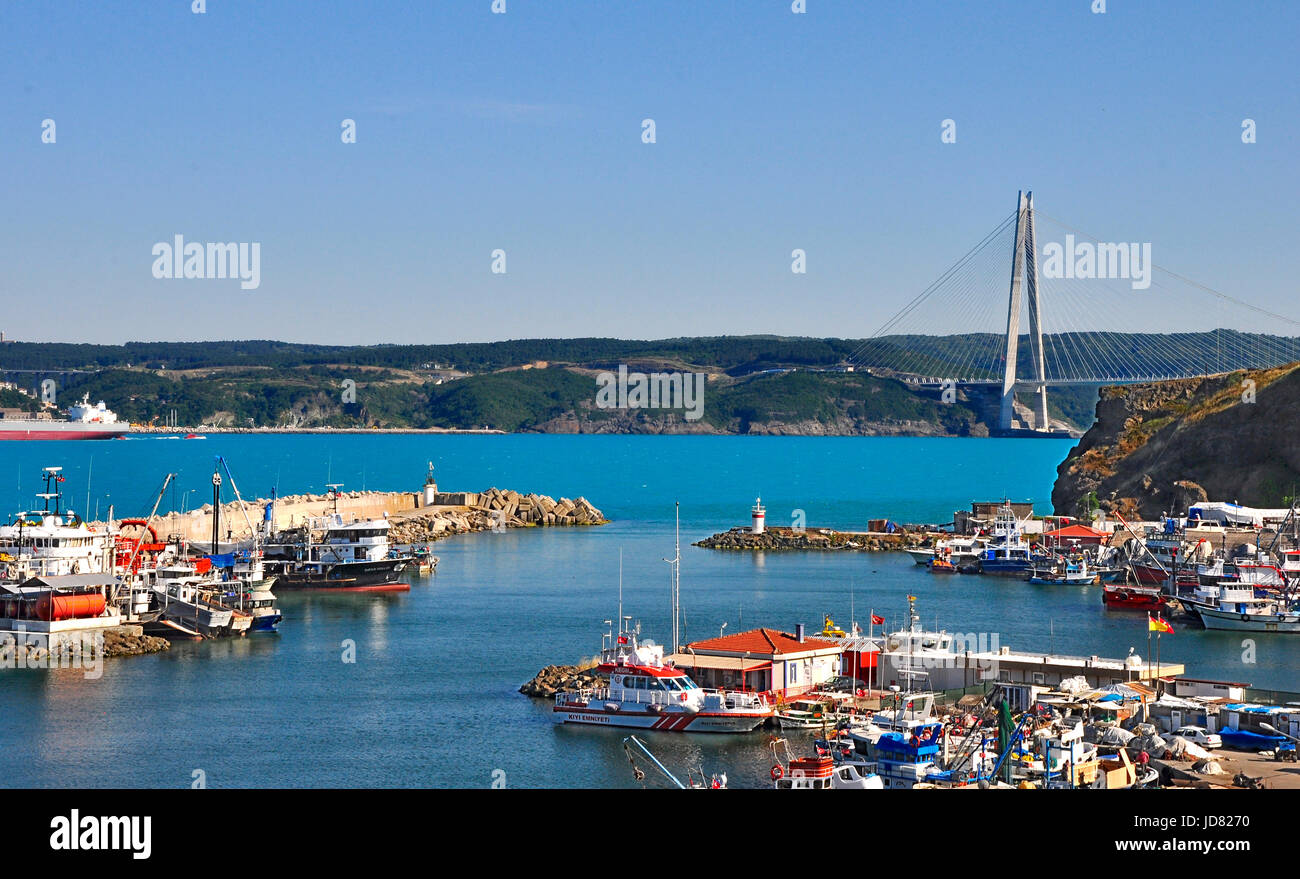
(777, 772)
(915, 741)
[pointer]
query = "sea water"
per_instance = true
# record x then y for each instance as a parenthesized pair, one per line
(430, 696)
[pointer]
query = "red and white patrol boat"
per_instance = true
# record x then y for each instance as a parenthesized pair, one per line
(646, 693)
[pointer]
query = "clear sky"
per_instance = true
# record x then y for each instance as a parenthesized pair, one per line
(522, 131)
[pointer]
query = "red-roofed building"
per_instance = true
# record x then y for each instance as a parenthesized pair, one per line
(762, 660)
(1081, 535)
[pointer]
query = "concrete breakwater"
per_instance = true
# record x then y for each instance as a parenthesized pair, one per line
(412, 520)
(560, 678)
(818, 538)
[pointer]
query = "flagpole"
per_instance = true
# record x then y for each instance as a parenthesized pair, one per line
(1148, 645)
(871, 632)
(1157, 663)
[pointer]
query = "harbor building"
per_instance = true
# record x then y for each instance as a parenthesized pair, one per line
(761, 660)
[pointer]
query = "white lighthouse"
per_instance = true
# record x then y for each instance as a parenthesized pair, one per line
(430, 488)
(758, 517)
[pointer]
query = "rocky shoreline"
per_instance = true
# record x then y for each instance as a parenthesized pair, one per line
(819, 539)
(559, 678)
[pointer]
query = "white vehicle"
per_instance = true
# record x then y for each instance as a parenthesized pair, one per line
(1200, 735)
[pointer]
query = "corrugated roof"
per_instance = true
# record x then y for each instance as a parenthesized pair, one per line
(69, 581)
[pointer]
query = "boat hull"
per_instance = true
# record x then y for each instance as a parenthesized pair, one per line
(60, 431)
(381, 576)
(667, 721)
(1134, 599)
(1213, 618)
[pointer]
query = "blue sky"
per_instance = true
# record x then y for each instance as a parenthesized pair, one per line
(522, 132)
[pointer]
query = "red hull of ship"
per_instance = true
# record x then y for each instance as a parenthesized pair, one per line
(1133, 600)
(59, 434)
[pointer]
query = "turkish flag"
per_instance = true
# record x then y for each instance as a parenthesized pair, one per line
(879, 621)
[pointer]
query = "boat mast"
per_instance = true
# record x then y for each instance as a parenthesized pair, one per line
(147, 522)
(216, 509)
(675, 564)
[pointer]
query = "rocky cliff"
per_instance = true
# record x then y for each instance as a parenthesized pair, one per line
(1158, 447)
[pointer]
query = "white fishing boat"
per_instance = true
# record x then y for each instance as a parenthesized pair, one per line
(52, 541)
(958, 550)
(821, 772)
(646, 693)
(1238, 609)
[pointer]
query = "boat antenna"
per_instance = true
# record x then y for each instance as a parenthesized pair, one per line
(620, 588)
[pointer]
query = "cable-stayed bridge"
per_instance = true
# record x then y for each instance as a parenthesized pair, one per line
(1075, 315)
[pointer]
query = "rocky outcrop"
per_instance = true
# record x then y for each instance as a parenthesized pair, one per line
(129, 641)
(495, 509)
(1160, 446)
(559, 678)
(814, 538)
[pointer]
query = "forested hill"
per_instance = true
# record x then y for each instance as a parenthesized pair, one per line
(755, 384)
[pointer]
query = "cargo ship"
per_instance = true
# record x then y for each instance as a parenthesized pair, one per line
(85, 420)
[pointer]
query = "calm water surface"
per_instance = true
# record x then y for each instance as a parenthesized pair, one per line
(432, 700)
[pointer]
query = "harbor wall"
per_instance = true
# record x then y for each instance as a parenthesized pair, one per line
(290, 511)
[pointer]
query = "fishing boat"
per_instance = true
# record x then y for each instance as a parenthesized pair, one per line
(1064, 572)
(1239, 609)
(646, 693)
(818, 773)
(187, 601)
(958, 550)
(1006, 551)
(52, 541)
(942, 566)
(351, 556)
(1134, 598)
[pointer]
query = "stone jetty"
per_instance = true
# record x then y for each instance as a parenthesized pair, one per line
(413, 520)
(491, 510)
(818, 538)
(558, 678)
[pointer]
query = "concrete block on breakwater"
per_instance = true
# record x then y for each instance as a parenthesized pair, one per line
(819, 539)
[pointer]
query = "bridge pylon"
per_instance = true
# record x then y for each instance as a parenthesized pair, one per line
(1024, 284)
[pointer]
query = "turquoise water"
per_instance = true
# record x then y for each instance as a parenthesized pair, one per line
(432, 700)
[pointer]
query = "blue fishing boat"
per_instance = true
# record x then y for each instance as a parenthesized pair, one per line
(1006, 551)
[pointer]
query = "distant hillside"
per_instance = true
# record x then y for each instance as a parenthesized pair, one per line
(757, 384)
(1159, 446)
